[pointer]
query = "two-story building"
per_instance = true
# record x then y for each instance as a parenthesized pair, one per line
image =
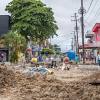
(92, 47)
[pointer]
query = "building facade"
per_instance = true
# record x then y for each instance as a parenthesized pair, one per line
(4, 28)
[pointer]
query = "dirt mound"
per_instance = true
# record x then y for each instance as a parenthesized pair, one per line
(7, 78)
(53, 89)
(40, 88)
(56, 90)
(95, 76)
(92, 78)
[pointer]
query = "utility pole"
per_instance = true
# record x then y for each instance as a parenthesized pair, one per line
(76, 31)
(82, 11)
(74, 41)
(72, 44)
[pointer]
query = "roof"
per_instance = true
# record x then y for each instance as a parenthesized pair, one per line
(96, 27)
(90, 46)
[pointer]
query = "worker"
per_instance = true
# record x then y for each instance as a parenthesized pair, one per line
(34, 61)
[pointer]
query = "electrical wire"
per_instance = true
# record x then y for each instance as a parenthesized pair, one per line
(89, 9)
(96, 15)
(92, 9)
(90, 6)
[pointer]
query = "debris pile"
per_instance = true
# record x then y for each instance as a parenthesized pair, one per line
(53, 89)
(7, 78)
(30, 88)
(42, 71)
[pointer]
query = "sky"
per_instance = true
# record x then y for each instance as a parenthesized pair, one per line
(63, 10)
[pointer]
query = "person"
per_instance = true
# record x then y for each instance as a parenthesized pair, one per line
(66, 59)
(34, 61)
(77, 59)
(52, 58)
(40, 59)
(91, 57)
(54, 62)
(61, 59)
(65, 63)
(46, 60)
(99, 59)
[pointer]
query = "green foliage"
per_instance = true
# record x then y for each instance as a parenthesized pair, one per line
(56, 49)
(14, 57)
(15, 40)
(16, 43)
(56, 46)
(33, 18)
(47, 51)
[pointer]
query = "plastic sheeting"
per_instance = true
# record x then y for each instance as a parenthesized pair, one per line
(71, 54)
(41, 70)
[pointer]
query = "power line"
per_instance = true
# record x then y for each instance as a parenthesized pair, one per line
(92, 9)
(90, 5)
(97, 13)
(95, 16)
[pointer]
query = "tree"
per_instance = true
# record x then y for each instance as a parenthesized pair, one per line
(33, 18)
(56, 48)
(16, 43)
(47, 51)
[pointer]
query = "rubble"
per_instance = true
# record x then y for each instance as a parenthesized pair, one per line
(46, 88)
(7, 77)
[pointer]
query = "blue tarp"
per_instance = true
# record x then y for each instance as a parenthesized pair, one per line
(71, 54)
